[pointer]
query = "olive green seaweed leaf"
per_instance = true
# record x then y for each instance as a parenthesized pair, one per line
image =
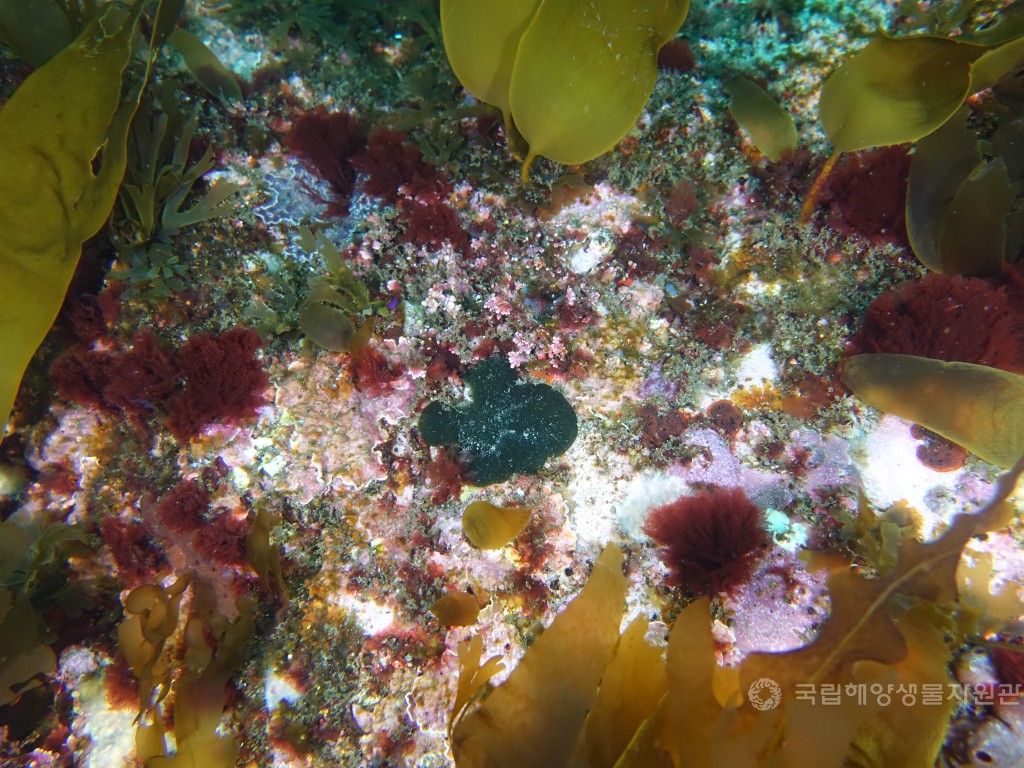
(35, 30)
(62, 139)
(896, 90)
(958, 203)
(571, 78)
(205, 67)
(771, 127)
(978, 407)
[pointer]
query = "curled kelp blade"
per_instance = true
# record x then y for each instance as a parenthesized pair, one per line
(978, 407)
(537, 715)
(941, 163)
(769, 125)
(51, 197)
(481, 40)
(958, 203)
(584, 71)
(896, 90)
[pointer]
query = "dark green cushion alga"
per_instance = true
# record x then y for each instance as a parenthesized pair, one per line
(508, 426)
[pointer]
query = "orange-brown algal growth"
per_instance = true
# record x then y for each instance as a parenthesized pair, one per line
(711, 542)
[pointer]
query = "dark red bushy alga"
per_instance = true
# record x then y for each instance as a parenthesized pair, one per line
(711, 542)
(394, 168)
(224, 382)
(327, 142)
(944, 317)
(866, 194)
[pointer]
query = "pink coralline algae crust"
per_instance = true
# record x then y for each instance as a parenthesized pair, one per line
(332, 428)
(951, 318)
(778, 609)
(716, 465)
(823, 462)
(711, 542)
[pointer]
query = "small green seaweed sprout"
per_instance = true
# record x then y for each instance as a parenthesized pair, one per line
(32, 580)
(158, 180)
(337, 311)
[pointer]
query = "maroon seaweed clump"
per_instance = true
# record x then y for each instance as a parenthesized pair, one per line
(213, 379)
(372, 373)
(394, 168)
(444, 475)
(951, 318)
(137, 558)
(658, 427)
(638, 253)
(222, 539)
(726, 418)
(142, 379)
(224, 382)
(183, 508)
(327, 142)
(431, 224)
(676, 56)
(91, 316)
(80, 376)
(866, 194)
(711, 542)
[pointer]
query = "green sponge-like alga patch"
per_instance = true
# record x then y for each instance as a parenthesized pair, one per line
(508, 427)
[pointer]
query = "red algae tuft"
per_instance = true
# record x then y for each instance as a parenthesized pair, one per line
(143, 376)
(432, 224)
(328, 141)
(81, 375)
(725, 417)
(711, 542)
(222, 539)
(394, 168)
(676, 56)
(944, 317)
(224, 382)
(866, 194)
(183, 508)
(213, 379)
(137, 558)
(372, 373)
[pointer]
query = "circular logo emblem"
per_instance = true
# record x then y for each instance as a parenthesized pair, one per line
(764, 694)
